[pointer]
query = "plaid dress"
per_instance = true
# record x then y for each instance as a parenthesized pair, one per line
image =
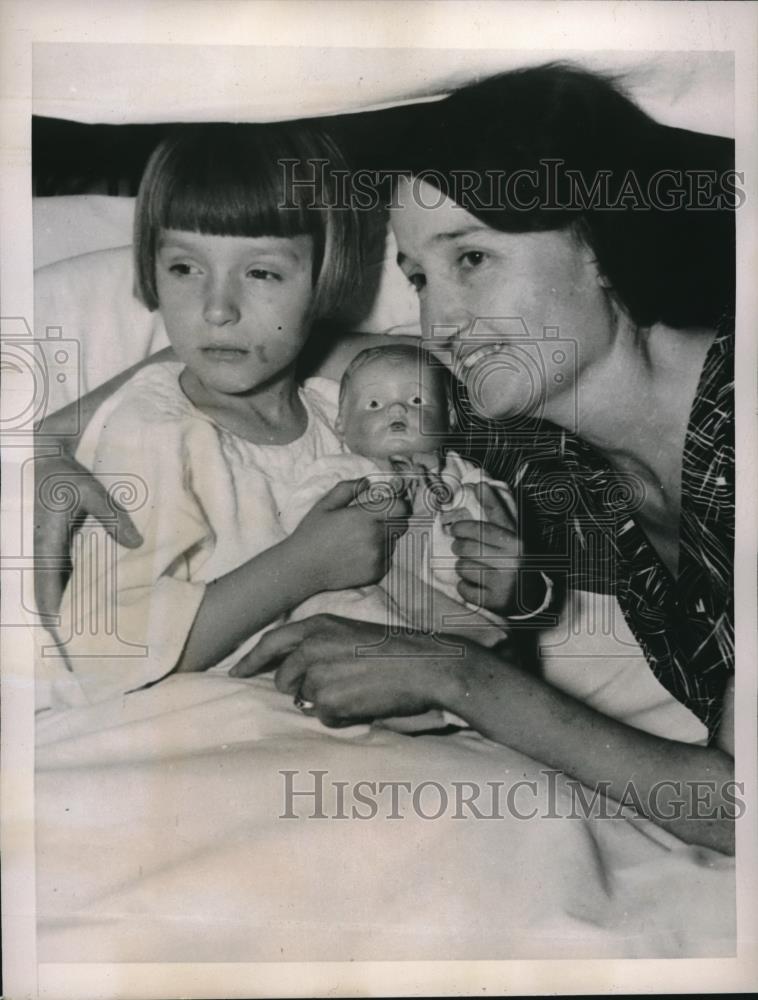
(579, 515)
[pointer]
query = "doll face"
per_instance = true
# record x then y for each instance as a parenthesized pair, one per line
(392, 407)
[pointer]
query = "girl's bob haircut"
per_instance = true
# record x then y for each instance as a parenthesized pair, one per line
(251, 180)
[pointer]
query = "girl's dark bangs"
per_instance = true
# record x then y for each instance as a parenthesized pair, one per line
(235, 206)
(234, 180)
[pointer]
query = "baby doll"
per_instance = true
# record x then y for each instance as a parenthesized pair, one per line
(394, 414)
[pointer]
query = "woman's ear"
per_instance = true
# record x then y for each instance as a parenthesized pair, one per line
(602, 280)
(452, 416)
(581, 234)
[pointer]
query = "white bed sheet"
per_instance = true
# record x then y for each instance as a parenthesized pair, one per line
(159, 839)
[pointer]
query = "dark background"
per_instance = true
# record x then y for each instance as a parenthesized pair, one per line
(73, 158)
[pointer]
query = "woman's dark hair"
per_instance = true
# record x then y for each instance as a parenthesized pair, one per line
(251, 180)
(556, 146)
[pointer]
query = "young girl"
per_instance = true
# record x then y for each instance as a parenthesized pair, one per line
(240, 256)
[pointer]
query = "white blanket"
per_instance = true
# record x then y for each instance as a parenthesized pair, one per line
(159, 839)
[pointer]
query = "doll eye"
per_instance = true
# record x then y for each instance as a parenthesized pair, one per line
(416, 401)
(373, 404)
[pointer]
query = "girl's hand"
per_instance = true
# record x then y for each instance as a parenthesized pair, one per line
(64, 493)
(344, 539)
(485, 550)
(319, 660)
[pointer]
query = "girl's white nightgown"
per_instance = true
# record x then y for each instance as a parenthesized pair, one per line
(204, 500)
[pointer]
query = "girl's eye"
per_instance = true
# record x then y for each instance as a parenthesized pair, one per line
(261, 274)
(373, 404)
(181, 269)
(417, 280)
(472, 258)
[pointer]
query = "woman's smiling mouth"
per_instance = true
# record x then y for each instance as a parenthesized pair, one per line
(466, 360)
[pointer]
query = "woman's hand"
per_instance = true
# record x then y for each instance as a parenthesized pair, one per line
(354, 671)
(344, 539)
(324, 660)
(64, 493)
(484, 549)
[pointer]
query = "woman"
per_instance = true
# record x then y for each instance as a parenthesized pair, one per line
(573, 231)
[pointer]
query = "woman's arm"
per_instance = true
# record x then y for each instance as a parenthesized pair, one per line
(57, 473)
(680, 786)
(684, 788)
(490, 570)
(337, 355)
(68, 424)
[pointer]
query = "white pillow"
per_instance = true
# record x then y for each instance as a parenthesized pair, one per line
(89, 300)
(592, 655)
(70, 225)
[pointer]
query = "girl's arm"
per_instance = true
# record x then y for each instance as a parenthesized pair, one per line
(337, 545)
(129, 620)
(686, 789)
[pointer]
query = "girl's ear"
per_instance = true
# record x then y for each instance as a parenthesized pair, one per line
(339, 427)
